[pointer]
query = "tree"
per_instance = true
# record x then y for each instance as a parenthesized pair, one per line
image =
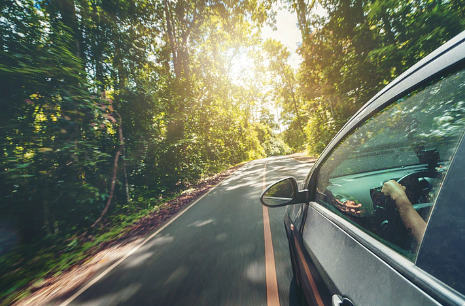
(285, 89)
(357, 48)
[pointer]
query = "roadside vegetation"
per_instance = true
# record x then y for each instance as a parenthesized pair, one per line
(111, 108)
(36, 266)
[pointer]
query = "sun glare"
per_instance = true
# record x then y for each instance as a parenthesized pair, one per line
(241, 68)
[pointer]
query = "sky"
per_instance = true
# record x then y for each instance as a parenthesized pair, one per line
(287, 33)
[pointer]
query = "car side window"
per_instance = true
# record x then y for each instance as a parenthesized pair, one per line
(385, 176)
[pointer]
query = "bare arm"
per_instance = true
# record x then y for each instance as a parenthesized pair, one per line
(411, 219)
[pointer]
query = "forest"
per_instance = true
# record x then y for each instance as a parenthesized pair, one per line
(111, 107)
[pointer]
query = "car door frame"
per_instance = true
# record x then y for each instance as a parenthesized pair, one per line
(445, 58)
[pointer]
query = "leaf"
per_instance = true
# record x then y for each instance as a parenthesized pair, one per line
(23, 166)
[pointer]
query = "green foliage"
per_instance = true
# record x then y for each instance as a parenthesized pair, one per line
(275, 146)
(355, 49)
(272, 145)
(70, 68)
(50, 134)
(108, 107)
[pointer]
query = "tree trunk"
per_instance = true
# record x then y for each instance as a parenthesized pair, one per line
(121, 142)
(115, 171)
(112, 188)
(171, 38)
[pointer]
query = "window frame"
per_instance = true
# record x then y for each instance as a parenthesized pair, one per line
(444, 61)
(340, 163)
(445, 58)
(451, 190)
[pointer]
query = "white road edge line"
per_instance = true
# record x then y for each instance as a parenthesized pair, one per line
(100, 276)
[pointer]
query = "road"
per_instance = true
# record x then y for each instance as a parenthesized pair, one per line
(212, 254)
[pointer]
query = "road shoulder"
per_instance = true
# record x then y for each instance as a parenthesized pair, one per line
(56, 289)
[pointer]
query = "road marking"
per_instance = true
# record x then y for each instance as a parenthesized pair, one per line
(100, 276)
(272, 295)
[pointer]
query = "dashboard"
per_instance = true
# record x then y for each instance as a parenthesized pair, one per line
(377, 212)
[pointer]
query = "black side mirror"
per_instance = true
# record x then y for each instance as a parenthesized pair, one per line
(283, 192)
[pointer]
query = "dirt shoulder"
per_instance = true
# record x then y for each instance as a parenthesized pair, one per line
(56, 289)
(303, 158)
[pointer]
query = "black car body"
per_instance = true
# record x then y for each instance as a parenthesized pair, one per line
(349, 243)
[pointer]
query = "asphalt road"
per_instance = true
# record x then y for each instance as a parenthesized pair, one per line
(213, 254)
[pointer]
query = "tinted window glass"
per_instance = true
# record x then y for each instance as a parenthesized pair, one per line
(409, 145)
(442, 252)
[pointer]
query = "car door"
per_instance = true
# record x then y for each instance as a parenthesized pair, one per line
(353, 235)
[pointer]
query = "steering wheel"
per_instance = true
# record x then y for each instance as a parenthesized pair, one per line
(392, 227)
(415, 188)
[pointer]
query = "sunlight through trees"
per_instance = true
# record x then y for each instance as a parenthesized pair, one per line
(108, 107)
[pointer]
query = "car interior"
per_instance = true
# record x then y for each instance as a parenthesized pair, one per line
(412, 142)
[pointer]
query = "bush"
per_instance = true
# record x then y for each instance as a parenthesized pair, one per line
(276, 146)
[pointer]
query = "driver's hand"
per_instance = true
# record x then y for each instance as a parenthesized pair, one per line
(349, 207)
(393, 189)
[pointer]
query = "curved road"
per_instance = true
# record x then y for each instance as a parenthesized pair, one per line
(212, 254)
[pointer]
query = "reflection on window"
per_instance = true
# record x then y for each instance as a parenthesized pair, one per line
(409, 145)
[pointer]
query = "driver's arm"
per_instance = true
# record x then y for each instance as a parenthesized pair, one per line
(411, 219)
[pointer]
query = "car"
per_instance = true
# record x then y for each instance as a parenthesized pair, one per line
(380, 218)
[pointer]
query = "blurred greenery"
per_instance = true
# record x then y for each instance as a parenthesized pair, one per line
(110, 106)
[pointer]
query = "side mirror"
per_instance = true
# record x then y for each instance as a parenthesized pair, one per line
(283, 192)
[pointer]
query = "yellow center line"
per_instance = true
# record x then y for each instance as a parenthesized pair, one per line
(272, 295)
